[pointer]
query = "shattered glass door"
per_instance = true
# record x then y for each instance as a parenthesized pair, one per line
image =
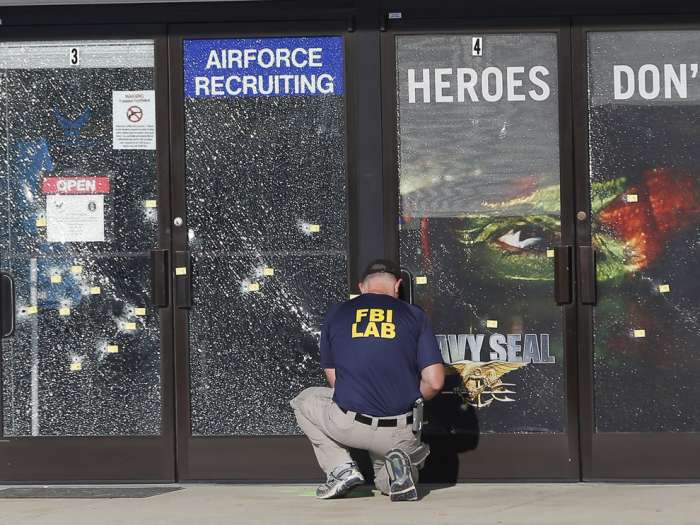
(267, 223)
(479, 180)
(644, 108)
(77, 221)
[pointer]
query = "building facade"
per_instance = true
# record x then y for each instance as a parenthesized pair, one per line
(188, 187)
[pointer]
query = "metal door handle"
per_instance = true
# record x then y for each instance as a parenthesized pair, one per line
(406, 289)
(7, 305)
(183, 281)
(160, 283)
(562, 274)
(587, 285)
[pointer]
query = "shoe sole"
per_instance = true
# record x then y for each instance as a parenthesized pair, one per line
(398, 466)
(343, 489)
(410, 494)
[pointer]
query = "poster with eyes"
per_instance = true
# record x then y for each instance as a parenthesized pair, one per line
(478, 164)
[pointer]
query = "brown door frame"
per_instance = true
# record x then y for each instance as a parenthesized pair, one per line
(617, 455)
(103, 459)
(539, 456)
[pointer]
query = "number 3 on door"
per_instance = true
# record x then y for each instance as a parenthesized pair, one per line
(74, 56)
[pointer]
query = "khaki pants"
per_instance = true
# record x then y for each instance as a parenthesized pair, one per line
(332, 432)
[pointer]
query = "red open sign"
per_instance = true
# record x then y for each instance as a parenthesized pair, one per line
(75, 185)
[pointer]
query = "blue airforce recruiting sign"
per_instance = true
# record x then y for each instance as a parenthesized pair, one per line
(250, 67)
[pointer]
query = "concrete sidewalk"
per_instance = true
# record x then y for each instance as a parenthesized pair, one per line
(482, 504)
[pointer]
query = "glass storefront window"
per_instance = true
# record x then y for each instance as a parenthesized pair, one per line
(478, 164)
(76, 227)
(267, 219)
(644, 106)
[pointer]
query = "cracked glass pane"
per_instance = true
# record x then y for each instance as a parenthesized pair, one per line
(77, 222)
(478, 163)
(267, 225)
(645, 209)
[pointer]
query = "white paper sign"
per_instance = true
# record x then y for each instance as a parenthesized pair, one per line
(75, 218)
(134, 119)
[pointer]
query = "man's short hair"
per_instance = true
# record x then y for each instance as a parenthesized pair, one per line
(382, 266)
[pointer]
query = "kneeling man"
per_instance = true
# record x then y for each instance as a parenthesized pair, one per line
(381, 358)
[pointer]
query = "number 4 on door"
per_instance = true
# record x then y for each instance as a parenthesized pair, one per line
(477, 49)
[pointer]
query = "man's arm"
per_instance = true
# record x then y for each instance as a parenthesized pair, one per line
(326, 350)
(432, 379)
(330, 375)
(432, 375)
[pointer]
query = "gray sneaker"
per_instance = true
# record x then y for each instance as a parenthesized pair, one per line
(340, 481)
(401, 485)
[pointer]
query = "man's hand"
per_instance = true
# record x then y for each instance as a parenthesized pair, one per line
(330, 375)
(432, 379)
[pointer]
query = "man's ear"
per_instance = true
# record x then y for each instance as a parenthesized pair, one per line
(397, 286)
(361, 286)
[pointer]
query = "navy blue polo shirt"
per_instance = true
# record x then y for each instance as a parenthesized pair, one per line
(378, 346)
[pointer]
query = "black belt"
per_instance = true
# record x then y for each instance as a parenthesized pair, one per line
(385, 422)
